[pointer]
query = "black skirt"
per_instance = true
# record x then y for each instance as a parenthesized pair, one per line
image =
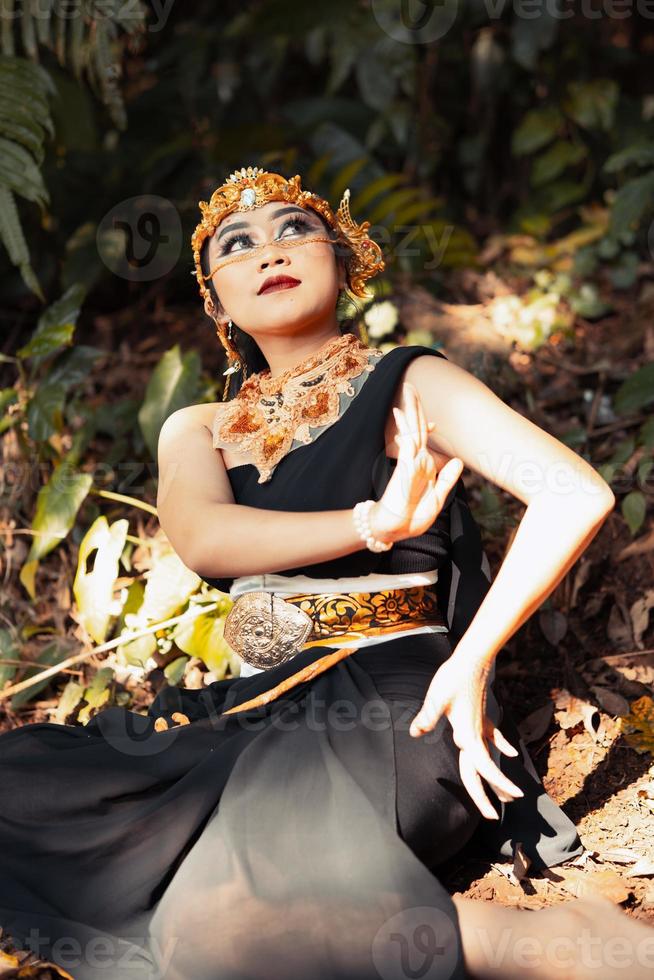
(300, 838)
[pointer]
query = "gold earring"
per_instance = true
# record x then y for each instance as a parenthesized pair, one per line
(233, 354)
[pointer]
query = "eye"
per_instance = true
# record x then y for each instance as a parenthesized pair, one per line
(300, 224)
(297, 222)
(240, 236)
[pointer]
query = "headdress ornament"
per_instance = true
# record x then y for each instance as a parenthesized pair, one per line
(252, 187)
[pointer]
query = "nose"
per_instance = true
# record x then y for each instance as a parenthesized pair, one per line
(273, 255)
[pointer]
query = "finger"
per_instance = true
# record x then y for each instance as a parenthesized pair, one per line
(411, 412)
(407, 441)
(473, 784)
(448, 475)
(415, 414)
(427, 717)
(422, 420)
(492, 774)
(427, 464)
(446, 478)
(498, 739)
(402, 437)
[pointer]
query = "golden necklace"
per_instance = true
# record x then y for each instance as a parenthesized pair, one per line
(269, 414)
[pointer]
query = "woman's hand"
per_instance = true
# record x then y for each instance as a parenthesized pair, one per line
(459, 691)
(416, 492)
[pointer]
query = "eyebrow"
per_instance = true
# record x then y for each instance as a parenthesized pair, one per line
(245, 224)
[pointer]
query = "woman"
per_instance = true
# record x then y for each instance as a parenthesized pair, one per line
(291, 824)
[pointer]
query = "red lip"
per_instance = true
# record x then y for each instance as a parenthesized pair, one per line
(278, 281)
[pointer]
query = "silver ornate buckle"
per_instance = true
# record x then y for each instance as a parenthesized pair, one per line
(265, 630)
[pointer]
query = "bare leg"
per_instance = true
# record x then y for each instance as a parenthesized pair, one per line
(584, 939)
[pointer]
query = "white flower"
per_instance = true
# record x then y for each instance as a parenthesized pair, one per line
(381, 319)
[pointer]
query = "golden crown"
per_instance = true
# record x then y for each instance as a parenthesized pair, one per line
(251, 187)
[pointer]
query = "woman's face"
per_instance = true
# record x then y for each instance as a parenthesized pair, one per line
(241, 269)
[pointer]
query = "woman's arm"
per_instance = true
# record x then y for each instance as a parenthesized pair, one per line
(567, 500)
(550, 538)
(218, 538)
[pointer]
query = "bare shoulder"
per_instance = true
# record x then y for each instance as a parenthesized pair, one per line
(430, 367)
(188, 433)
(191, 417)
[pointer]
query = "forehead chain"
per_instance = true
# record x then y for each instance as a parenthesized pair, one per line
(229, 259)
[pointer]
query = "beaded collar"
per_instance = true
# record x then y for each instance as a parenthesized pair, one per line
(269, 414)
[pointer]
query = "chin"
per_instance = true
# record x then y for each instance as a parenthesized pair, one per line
(297, 314)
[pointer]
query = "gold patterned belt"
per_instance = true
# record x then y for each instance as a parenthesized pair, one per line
(266, 629)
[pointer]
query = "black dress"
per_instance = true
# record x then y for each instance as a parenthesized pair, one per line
(291, 840)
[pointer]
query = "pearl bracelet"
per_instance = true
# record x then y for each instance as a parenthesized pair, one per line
(360, 516)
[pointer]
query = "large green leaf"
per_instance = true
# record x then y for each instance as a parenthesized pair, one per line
(593, 103)
(561, 193)
(45, 411)
(55, 327)
(640, 154)
(636, 392)
(373, 189)
(93, 589)
(9, 650)
(646, 434)
(57, 505)
(345, 176)
(633, 509)
(538, 128)
(390, 204)
(203, 638)
(168, 587)
(174, 384)
(96, 694)
(632, 201)
(555, 160)
(54, 653)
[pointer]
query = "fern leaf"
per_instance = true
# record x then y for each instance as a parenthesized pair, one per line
(11, 234)
(19, 172)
